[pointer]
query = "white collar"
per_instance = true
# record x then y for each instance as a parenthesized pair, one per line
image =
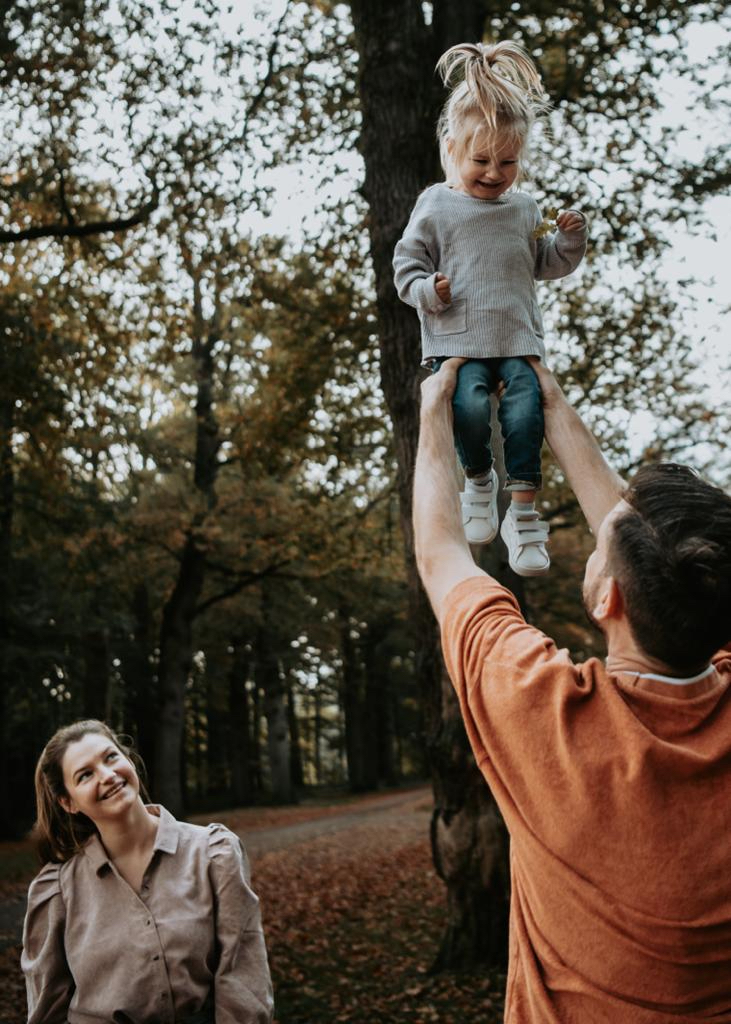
(674, 680)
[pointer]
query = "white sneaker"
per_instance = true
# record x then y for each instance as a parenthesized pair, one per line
(525, 535)
(479, 510)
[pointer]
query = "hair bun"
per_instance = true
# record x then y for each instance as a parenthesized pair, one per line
(697, 560)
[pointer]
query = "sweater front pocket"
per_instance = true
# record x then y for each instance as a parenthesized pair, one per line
(453, 320)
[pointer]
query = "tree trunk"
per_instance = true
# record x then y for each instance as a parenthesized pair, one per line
(7, 510)
(140, 688)
(216, 732)
(239, 738)
(295, 759)
(317, 702)
(352, 705)
(176, 632)
(96, 693)
(380, 742)
(270, 678)
(256, 738)
(176, 654)
(399, 101)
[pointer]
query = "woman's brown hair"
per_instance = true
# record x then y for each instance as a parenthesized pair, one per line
(59, 835)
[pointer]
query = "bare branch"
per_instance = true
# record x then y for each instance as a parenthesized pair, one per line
(64, 230)
(246, 580)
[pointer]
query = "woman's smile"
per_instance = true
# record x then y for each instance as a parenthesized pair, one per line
(116, 788)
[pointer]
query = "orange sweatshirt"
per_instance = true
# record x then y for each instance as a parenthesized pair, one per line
(616, 790)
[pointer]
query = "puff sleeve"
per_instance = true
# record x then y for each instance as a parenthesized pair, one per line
(242, 985)
(48, 980)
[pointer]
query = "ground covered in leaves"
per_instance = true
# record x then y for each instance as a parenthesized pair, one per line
(352, 919)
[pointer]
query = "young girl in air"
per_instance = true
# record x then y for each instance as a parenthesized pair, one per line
(467, 261)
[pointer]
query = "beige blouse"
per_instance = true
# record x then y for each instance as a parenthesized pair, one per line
(96, 951)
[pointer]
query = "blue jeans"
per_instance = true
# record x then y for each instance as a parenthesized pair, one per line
(520, 413)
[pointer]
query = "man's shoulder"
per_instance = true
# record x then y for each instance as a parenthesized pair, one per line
(476, 593)
(482, 620)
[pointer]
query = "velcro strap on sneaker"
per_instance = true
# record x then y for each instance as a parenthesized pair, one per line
(531, 531)
(476, 504)
(531, 537)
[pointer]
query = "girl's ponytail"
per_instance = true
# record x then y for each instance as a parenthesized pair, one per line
(501, 79)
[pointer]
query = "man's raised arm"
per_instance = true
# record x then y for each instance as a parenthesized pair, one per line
(596, 485)
(442, 553)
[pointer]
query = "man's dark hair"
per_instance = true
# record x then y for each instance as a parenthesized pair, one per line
(671, 556)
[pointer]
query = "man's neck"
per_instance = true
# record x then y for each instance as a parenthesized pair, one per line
(626, 656)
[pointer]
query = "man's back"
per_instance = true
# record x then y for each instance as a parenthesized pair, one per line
(617, 794)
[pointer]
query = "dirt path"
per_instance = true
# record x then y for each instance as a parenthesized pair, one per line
(391, 808)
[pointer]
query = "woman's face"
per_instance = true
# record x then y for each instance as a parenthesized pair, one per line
(100, 781)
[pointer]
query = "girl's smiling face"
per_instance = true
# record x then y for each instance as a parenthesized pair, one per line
(100, 782)
(485, 172)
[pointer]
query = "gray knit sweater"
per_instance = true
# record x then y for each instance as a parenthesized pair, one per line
(488, 250)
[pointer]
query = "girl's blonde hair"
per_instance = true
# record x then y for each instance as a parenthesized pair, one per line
(59, 835)
(498, 94)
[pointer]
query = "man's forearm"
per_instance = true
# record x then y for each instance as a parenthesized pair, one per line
(442, 554)
(437, 514)
(596, 485)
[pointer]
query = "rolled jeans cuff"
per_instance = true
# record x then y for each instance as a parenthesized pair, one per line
(529, 482)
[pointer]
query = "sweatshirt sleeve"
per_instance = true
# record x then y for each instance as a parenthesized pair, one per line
(416, 261)
(558, 254)
(243, 988)
(49, 984)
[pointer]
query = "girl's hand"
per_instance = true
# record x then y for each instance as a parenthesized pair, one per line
(441, 287)
(570, 220)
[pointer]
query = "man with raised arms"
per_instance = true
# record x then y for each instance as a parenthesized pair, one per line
(614, 778)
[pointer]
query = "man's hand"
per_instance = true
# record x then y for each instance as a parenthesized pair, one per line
(551, 393)
(550, 390)
(438, 388)
(570, 220)
(442, 288)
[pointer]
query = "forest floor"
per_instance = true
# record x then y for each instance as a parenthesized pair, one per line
(352, 908)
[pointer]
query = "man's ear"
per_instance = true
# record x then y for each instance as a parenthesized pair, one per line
(610, 602)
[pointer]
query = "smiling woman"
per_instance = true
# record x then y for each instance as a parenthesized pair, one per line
(161, 909)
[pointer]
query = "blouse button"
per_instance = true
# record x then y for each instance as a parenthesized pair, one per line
(156, 956)
(147, 921)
